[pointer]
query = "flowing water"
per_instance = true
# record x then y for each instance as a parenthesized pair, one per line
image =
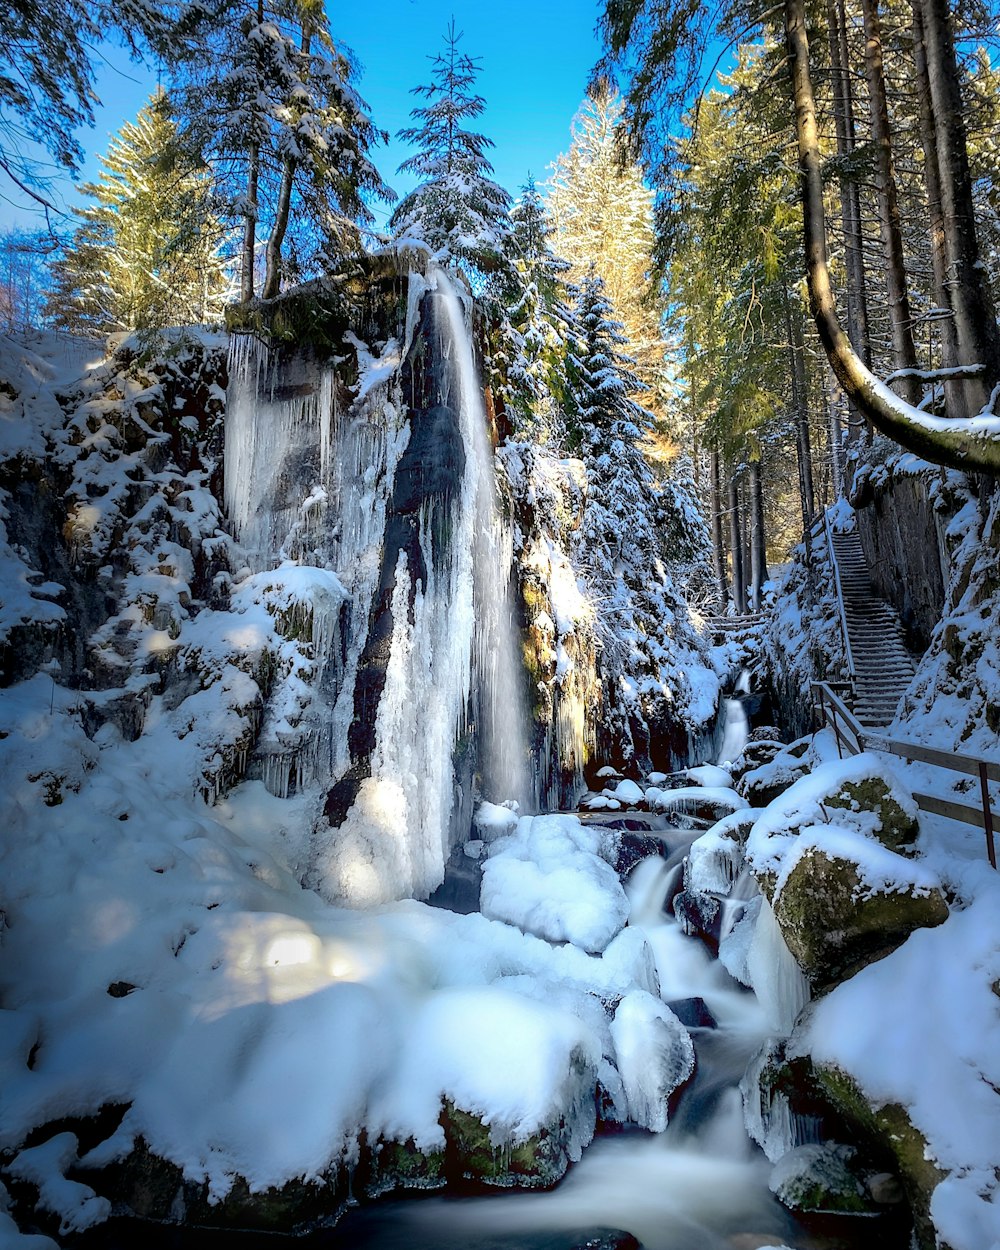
(699, 1185)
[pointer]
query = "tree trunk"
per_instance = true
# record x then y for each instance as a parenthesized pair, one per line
(272, 273)
(836, 439)
(904, 354)
(718, 539)
(250, 227)
(758, 542)
(975, 317)
(736, 546)
(800, 409)
(955, 396)
(850, 199)
(962, 444)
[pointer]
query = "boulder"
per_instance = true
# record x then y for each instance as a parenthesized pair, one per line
(896, 826)
(700, 915)
(838, 913)
(761, 786)
(821, 1177)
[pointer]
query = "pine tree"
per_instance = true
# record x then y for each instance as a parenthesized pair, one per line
(323, 146)
(602, 214)
(47, 73)
(267, 102)
(630, 529)
(146, 254)
(536, 321)
(457, 211)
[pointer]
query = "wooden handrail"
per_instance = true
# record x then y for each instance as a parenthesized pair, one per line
(840, 599)
(835, 711)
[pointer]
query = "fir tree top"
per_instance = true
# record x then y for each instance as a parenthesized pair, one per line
(458, 211)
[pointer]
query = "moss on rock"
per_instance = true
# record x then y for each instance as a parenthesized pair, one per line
(834, 925)
(897, 828)
(888, 1128)
(472, 1155)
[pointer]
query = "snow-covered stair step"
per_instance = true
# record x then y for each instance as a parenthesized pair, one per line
(883, 668)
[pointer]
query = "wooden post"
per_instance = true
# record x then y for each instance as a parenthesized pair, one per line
(987, 815)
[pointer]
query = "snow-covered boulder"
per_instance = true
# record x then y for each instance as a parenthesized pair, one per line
(863, 794)
(844, 900)
(549, 879)
(654, 1055)
(627, 792)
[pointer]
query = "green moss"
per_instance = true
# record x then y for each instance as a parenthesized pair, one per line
(317, 316)
(535, 1163)
(833, 928)
(897, 829)
(888, 1128)
(394, 1165)
(153, 1188)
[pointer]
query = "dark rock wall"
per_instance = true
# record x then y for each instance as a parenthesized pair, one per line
(902, 533)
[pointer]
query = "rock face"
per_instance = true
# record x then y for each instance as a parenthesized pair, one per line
(902, 519)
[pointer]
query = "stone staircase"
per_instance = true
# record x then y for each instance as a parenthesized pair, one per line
(883, 667)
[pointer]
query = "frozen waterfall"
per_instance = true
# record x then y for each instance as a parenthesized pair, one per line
(394, 490)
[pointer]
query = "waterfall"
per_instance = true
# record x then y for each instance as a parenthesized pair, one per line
(504, 745)
(453, 624)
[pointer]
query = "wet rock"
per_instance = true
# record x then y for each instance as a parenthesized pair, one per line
(693, 1013)
(624, 848)
(821, 1177)
(886, 1190)
(700, 915)
(834, 924)
(605, 1239)
(393, 1166)
(471, 1155)
(150, 1187)
(887, 1129)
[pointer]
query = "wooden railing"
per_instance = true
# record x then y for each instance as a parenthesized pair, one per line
(821, 523)
(855, 737)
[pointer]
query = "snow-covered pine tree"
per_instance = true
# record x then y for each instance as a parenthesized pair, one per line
(267, 102)
(602, 214)
(536, 319)
(457, 210)
(146, 254)
(606, 428)
(625, 548)
(323, 145)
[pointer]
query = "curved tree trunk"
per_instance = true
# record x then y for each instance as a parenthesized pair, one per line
(965, 444)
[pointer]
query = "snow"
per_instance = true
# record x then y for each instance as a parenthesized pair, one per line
(710, 775)
(628, 793)
(654, 1054)
(937, 987)
(77, 1206)
(550, 880)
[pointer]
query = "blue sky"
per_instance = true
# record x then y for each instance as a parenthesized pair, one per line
(536, 56)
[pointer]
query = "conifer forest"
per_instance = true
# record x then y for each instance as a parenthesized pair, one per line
(499, 625)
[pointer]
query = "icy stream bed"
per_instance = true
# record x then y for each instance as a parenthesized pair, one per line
(699, 1185)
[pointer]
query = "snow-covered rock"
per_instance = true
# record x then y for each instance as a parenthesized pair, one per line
(550, 880)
